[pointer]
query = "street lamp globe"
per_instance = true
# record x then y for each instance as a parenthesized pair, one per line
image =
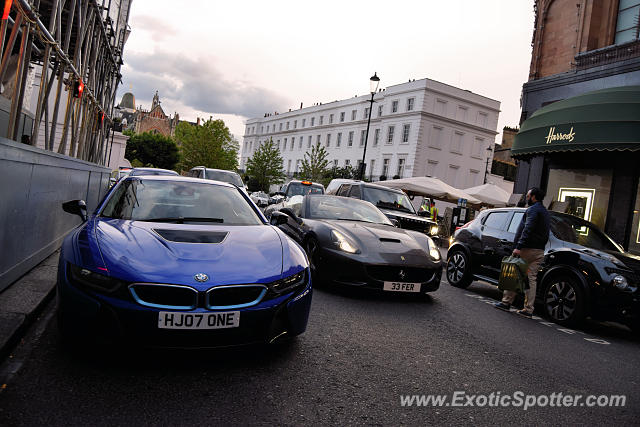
(374, 82)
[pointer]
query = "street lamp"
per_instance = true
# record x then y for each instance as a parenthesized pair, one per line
(374, 82)
(486, 167)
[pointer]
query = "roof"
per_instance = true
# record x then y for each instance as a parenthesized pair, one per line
(128, 101)
(602, 120)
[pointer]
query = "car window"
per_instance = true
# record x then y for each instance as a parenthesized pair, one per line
(343, 190)
(355, 191)
(300, 189)
(497, 220)
(575, 230)
(388, 199)
(143, 200)
(515, 222)
(334, 207)
(224, 176)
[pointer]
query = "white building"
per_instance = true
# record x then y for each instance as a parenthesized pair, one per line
(419, 128)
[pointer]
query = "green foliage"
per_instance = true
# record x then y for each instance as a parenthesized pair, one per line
(128, 132)
(265, 167)
(152, 150)
(210, 145)
(314, 164)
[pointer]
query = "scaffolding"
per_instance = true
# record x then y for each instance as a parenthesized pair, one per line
(80, 47)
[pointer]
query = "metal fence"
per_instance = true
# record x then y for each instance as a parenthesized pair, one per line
(77, 51)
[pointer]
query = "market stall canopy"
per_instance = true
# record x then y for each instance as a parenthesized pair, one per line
(489, 194)
(607, 119)
(431, 187)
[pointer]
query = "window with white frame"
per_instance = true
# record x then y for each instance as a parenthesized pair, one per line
(338, 139)
(342, 116)
(353, 114)
(278, 145)
(350, 140)
(366, 113)
(376, 137)
(321, 120)
(372, 165)
(293, 144)
(390, 132)
(304, 122)
(441, 107)
(478, 145)
(295, 124)
(309, 141)
(483, 119)
(250, 145)
(297, 165)
(385, 166)
(435, 140)
(347, 162)
(335, 163)
(432, 167)
(284, 146)
(452, 175)
(280, 127)
(456, 142)
(628, 22)
(328, 140)
(400, 169)
(410, 103)
(300, 143)
(461, 115)
(287, 125)
(473, 178)
(330, 118)
(405, 133)
(318, 139)
(363, 135)
(379, 110)
(394, 107)
(289, 166)
(313, 121)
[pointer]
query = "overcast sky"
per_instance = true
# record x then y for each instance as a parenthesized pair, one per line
(239, 59)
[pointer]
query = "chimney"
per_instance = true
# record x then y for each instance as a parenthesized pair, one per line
(198, 122)
(301, 105)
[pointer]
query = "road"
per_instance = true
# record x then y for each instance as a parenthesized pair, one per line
(360, 354)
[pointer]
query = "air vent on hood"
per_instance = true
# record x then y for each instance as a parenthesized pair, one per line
(383, 239)
(192, 236)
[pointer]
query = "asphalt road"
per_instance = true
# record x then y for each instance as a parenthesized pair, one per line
(359, 355)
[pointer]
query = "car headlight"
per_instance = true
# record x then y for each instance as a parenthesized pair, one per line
(433, 250)
(289, 283)
(621, 283)
(343, 243)
(434, 230)
(99, 282)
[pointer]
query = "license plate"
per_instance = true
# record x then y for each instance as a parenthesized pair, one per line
(177, 320)
(401, 287)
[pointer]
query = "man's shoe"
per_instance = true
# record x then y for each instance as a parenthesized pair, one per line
(502, 306)
(524, 313)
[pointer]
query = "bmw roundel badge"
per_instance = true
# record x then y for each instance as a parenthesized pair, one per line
(201, 277)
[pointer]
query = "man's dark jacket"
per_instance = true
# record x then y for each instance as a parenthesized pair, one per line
(533, 231)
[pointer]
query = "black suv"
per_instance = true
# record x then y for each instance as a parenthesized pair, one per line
(395, 204)
(584, 272)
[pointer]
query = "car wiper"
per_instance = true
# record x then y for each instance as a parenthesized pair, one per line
(182, 220)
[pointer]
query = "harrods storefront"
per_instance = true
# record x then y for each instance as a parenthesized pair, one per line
(585, 153)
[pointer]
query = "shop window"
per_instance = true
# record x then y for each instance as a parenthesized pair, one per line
(634, 241)
(580, 192)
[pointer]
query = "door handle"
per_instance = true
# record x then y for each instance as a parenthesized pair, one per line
(505, 241)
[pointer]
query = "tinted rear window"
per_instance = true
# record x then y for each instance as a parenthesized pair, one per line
(224, 176)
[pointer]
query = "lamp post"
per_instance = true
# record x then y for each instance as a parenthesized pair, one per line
(486, 167)
(374, 81)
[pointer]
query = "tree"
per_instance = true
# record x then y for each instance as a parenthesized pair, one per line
(210, 145)
(153, 150)
(314, 164)
(265, 166)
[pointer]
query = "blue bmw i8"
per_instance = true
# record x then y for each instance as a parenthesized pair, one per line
(180, 262)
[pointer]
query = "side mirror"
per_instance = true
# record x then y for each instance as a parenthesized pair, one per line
(290, 213)
(395, 222)
(278, 218)
(76, 207)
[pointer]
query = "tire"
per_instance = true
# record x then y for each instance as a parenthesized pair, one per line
(312, 248)
(564, 300)
(459, 272)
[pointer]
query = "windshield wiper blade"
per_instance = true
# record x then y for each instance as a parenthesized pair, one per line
(182, 220)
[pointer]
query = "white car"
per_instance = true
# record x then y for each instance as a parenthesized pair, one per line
(259, 198)
(333, 186)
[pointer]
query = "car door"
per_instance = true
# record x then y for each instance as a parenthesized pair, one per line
(514, 222)
(493, 241)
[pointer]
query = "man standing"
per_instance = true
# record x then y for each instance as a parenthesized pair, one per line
(531, 238)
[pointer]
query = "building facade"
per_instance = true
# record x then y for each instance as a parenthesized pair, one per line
(419, 128)
(155, 120)
(579, 138)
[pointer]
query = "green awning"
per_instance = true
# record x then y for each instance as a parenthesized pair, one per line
(607, 119)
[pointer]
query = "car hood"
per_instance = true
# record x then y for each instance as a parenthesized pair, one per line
(385, 242)
(393, 213)
(136, 251)
(630, 260)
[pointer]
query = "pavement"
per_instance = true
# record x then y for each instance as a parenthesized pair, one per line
(23, 301)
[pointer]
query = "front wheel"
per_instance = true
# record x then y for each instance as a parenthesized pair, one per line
(459, 270)
(564, 300)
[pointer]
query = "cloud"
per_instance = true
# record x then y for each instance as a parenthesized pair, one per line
(196, 83)
(157, 29)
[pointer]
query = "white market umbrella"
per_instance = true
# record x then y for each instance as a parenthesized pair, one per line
(432, 187)
(490, 194)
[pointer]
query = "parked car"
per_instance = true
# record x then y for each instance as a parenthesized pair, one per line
(335, 184)
(259, 198)
(584, 272)
(117, 175)
(290, 189)
(176, 261)
(350, 242)
(152, 171)
(218, 175)
(395, 204)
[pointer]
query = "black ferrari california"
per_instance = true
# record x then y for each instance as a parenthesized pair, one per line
(350, 242)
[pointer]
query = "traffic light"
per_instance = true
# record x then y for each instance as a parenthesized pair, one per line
(78, 87)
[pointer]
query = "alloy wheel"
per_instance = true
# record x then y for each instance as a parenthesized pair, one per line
(560, 300)
(456, 268)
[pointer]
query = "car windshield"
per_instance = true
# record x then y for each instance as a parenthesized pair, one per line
(575, 230)
(300, 189)
(388, 199)
(141, 172)
(334, 207)
(179, 201)
(224, 176)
